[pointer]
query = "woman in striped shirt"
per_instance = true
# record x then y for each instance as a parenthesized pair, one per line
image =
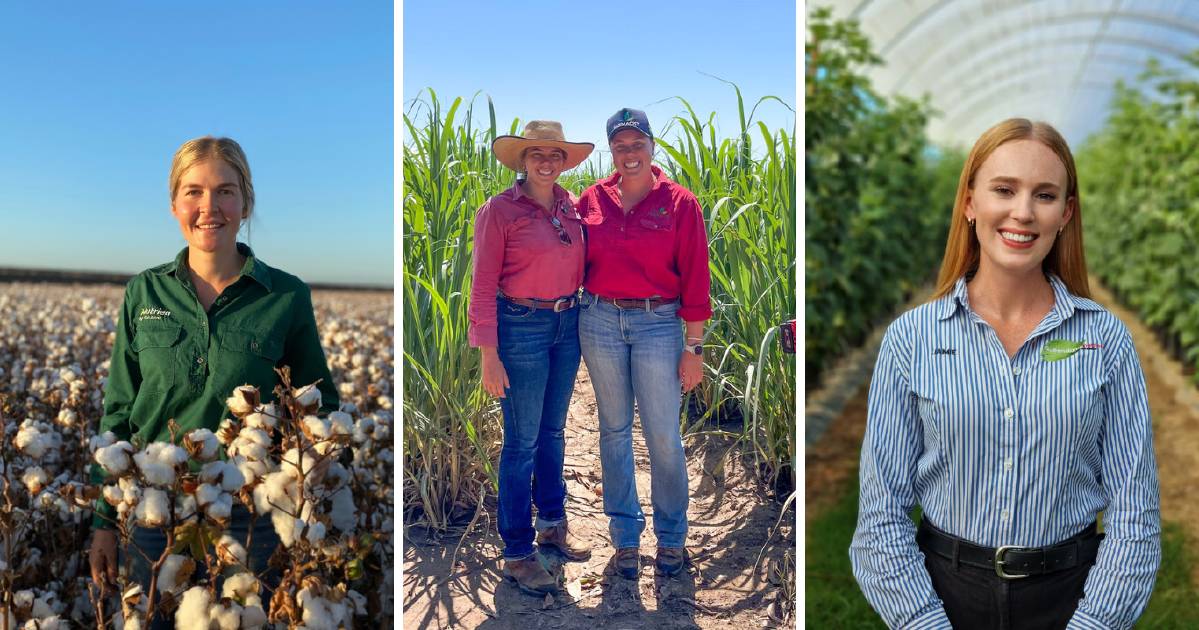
(1012, 409)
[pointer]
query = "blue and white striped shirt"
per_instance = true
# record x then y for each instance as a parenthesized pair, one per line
(1001, 451)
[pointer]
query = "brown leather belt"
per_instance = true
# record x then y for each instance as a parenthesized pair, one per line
(559, 305)
(647, 304)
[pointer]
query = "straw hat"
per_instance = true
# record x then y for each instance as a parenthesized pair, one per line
(539, 133)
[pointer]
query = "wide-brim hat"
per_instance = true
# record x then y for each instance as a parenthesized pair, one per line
(539, 133)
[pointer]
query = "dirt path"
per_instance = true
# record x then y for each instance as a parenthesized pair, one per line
(1173, 405)
(730, 520)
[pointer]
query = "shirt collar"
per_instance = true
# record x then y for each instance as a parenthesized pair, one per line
(1064, 302)
(254, 268)
(518, 193)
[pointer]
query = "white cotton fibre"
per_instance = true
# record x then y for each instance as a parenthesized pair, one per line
(173, 573)
(114, 458)
(235, 550)
(152, 509)
(226, 617)
(193, 610)
(239, 586)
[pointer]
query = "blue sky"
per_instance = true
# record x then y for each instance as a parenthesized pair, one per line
(97, 96)
(579, 62)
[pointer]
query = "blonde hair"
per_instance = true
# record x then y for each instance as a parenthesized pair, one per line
(226, 149)
(1065, 259)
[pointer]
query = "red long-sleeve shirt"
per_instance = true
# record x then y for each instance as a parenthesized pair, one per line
(517, 251)
(660, 248)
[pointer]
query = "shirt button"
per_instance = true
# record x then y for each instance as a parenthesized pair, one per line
(1003, 515)
(200, 360)
(1008, 413)
(253, 345)
(1007, 464)
(1016, 370)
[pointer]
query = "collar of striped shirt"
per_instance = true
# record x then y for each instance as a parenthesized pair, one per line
(1007, 451)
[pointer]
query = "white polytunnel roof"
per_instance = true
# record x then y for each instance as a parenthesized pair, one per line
(981, 61)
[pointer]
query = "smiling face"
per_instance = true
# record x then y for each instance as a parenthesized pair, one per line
(543, 165)
(1019, 202)
(209, 206)
(631, 153)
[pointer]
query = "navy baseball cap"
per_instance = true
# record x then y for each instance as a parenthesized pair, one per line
(629, 119)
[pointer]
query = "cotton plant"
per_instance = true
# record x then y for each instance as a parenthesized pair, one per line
(55, 350)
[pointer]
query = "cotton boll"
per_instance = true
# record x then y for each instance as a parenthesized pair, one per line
(67, 417)
(131, 492)
(202, 444)
(227, 431)
(155, 472)
(307, 396)
(226, 617)
(315, 532)
(230, 551)
(343, 514)
(341, 423)
(152, 509)
(34, 479)
(285, 527)
(317, 428)
(207, 493)
(250, 470)
(31, 440)
(220, 509)
(185, 507)
(100, 441)
(23, 599)
(114, 458)
(243, 401)
(113, 495)
(260, 420)
(240, 586)
(223, 475)
(255, 436)
(193, 610)
(176, 571)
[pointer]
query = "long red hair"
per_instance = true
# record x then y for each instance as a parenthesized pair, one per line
(1065, 260)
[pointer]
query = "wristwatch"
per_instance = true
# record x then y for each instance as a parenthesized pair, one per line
(696, 349)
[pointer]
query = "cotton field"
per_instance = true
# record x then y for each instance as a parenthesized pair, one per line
(324, 481)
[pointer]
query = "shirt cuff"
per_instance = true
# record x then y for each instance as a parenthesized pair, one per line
(933, 619)
(695, 313)
(484, 335)
(1082, 621)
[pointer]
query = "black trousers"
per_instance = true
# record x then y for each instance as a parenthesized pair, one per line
(978, 599)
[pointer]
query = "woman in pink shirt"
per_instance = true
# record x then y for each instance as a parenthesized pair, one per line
(641, 326)
(524, 316)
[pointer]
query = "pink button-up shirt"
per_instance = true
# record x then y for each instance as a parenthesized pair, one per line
(518, 251)
(660, 248)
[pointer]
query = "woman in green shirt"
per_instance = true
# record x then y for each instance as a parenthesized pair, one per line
(192, 330)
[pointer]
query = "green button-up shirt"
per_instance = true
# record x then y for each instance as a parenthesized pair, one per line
(173, 360)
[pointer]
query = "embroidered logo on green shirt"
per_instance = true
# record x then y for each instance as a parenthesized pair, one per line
(1059, 349)
(153, 313)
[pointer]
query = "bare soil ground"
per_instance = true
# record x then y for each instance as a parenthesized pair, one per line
(1173, 405)
(725, 586)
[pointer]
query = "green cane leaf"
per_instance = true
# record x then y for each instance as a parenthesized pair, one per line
(1059, 349)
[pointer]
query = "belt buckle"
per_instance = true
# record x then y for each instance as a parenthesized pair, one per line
(999, 562)
(560, 301)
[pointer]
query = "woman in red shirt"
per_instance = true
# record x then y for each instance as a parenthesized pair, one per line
(528, 265)
(647, 269)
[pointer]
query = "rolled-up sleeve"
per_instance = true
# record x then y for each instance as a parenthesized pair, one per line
(488, 261)
(887, 563)
(1119, 585)
(691, 258)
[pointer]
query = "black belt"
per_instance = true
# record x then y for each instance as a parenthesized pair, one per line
(1009, 561)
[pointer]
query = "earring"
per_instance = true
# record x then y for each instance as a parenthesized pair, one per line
(971, 222)
(1059, 230)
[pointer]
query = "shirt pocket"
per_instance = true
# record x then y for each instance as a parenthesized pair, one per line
(250, 357)
(157, 347)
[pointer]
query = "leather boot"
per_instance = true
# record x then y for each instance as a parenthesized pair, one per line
(530, 576)
(567, 544)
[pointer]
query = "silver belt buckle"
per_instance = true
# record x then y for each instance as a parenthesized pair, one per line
(560, 301)
(999, 563)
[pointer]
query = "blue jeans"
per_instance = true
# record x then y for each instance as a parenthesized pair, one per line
(633, 355)
(153, 541)
(540, 352)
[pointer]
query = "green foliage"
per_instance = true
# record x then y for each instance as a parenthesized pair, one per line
(1138, 177)
(877, 204)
